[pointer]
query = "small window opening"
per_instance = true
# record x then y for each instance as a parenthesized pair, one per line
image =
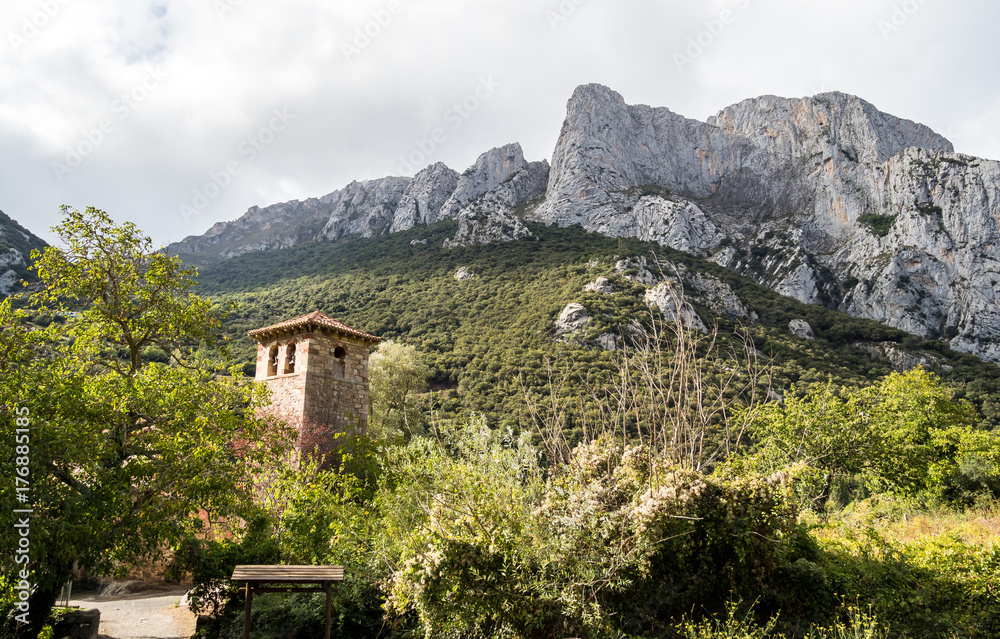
(272, 361)
(289, 359)
(339, 355)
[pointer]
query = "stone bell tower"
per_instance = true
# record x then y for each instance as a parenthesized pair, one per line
(317, 370)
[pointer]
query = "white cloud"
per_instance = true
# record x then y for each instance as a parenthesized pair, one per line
(227, 70)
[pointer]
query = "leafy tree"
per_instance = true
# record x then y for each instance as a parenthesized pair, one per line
(905, 433)
(126, 455)
(397, 372)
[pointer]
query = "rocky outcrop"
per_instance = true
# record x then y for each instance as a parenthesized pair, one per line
(259, 229)
(484, 226)
(490, 195)
(8, 282)
(719, 297)
(572, 319)
(601, 285)
(16, 245)
(503, 175)
(363, 208)
(424, 196)
(9, 260)
(901, 360)
(673, 307)
(825, 199)
(801, 329)
(489, 200)
(463, 273)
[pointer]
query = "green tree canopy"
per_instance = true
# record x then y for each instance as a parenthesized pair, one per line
(126, 455)
(906, 432)
(397, 372)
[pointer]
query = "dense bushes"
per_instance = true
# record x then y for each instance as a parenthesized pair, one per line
(467, 534)
(461, 527)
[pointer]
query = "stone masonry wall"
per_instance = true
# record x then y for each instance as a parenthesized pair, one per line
(325, 394)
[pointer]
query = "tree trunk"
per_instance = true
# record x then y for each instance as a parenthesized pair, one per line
(40, 604)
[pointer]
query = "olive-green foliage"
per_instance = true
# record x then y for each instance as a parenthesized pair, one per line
(210, 564)
(479, 334)
(879, 224)
(905, 433)
(396, 372)
(941, 587)
(472, 534)
(306, 516)
(485, 545)
(859, 623)
(124, 452)
(469, 536)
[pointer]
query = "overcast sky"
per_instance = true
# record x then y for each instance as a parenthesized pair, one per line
(177, 114)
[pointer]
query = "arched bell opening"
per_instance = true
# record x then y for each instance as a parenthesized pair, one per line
(289, 359)
(339, 359)
(272, 361)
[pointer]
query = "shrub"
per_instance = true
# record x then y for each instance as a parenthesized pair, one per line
(878, 224)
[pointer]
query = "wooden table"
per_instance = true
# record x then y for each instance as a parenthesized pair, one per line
(257, 578)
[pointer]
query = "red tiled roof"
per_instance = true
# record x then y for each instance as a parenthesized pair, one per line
(314, 319)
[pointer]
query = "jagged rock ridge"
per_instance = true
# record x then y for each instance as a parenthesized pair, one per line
(485, 199)
(825, 199)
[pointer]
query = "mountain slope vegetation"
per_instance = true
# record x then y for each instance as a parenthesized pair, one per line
(480, 334)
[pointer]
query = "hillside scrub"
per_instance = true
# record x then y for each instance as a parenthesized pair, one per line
(471, 531)
(904, 435)
(479, 335)
(468, 532)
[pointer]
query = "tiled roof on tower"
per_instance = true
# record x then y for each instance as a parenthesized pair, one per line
(311, 322)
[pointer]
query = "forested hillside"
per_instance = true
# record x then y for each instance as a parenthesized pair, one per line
(481, 333)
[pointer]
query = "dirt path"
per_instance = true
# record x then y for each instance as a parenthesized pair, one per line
(156, 614)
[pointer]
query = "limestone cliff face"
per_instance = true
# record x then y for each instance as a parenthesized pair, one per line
(487, 199)
(16, 245)
(424, 197)
(363, 208)
(259, 229)
(825, 199)
(489, 194)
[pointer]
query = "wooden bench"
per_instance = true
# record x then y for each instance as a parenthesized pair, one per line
(269, 578)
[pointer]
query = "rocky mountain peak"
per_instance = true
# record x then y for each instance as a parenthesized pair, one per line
(804, 126)
(490, 170)
(826, 199)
